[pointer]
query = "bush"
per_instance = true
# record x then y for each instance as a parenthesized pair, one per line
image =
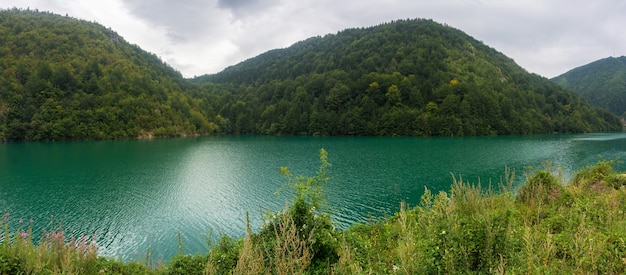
(540, 188)
(307, 216)
(9, 264)
(188, 265)
(224, 256)
(591, 174)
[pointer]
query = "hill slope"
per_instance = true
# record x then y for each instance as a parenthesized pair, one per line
(408, 77)
(66, 79)
(602, 82)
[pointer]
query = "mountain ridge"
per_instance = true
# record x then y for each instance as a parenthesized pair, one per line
(392, 79)
(68, 79)
(602, 82)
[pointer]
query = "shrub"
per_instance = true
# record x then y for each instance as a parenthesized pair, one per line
(616, 180)
(540, 188)
(591, 174)
(223, 257)
(188, 265)
(309, 218)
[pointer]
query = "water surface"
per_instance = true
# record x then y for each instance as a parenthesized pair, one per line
(138, 194)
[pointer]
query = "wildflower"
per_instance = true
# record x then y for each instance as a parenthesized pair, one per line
(443, 232)
(21, 221)
(24, 234)
(395, 268)
(101, 271)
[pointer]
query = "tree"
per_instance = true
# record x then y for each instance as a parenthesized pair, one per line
(393, 95)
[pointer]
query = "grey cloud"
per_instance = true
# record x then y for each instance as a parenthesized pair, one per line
(545, 37)
(235, 4)
(183, 19)
(246, 8)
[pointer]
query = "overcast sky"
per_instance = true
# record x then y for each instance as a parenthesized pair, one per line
(547, 37)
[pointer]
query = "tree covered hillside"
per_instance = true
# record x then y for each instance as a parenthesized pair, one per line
(602, 82)
(67, 79)
(408, 77)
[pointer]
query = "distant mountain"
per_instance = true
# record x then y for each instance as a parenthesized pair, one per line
(602, 82)
(68, 79)
(407, 77)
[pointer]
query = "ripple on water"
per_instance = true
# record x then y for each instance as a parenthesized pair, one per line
(135, 196)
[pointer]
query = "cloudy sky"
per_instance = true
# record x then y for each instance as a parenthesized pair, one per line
(547, 37)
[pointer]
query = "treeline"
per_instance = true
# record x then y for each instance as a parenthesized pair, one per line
(408, 77)
(602, 82)
(66, 79)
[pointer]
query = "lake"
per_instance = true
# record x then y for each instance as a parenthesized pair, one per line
(135, 196)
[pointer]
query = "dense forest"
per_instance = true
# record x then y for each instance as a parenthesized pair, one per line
(66, 79)
(602, 82)
(408, 77)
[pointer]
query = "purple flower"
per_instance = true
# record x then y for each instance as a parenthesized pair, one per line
(24, 234)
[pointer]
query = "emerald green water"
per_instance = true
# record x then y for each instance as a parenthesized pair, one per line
(133, 195)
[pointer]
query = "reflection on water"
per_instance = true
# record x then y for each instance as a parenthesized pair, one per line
(602, 137)
(138, 194)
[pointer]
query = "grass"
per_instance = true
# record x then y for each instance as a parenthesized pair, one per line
(543, 227)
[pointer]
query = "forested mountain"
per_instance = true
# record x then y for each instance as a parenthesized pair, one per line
(67, 79)
(408, 77)
(602, 82)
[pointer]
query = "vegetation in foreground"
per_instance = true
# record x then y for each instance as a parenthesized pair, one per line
(541, 228)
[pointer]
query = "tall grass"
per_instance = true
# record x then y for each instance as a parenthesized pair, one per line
(542, 227)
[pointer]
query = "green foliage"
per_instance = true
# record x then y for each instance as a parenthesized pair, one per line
(599, 175)
(601, 82)
(466, 231)
(67, 79)
(470, 230)
(223, 256)
(309, 189)
(541, 187)
(188, 265)
(407, 77)
(111, 266)
(308, 216)
(9, 264)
